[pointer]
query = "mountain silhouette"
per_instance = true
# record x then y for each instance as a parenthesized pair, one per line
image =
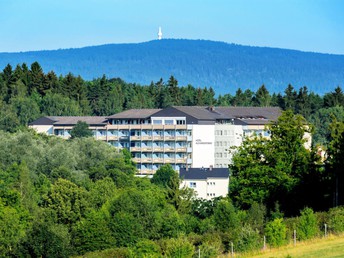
(223, 66)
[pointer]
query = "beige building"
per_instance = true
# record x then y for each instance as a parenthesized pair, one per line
(182, 136)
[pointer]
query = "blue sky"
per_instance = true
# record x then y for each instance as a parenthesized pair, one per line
(307, 25)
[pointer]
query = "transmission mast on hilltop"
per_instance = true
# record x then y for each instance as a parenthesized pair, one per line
(159, 34)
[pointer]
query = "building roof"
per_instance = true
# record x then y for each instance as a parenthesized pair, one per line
(243, 115)
(45, 120)
(134, 114)
(199, 112)
(70, 120)
(203, 173)
(269, 113)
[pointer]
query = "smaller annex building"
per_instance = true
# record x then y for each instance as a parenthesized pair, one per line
(208, 183)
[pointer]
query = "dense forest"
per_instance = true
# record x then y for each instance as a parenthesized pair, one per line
(225, 67)
(27, 93)
(80, 197)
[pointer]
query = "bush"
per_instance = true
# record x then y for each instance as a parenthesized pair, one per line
(209, 246)
(276, 232)
(307, 225)
(177, 247)
(249, 239)
(147, 249)
(336, 220)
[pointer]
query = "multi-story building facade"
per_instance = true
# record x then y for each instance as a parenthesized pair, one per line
(179, 135)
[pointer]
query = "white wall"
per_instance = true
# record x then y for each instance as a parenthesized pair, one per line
(203, 146)
(226, 136)
(48, 129)
(208, 188)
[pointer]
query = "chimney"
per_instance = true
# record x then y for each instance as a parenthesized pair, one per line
(211, 108)
(210, 167)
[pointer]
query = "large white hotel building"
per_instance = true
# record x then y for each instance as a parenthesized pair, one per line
(183, 136)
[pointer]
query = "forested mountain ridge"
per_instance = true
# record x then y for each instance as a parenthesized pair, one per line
(225, 67)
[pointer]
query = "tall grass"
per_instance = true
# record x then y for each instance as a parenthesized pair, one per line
(329, 247)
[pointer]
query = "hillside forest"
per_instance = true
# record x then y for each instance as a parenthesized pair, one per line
(80, 197)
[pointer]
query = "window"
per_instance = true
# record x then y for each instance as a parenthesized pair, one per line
(180, 122)
(157, 122)
(168, 122)
(192, 184)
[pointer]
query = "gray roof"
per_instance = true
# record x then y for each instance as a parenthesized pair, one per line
(134, 114)
(45, 120)
(270, 113)
(203, 173)
(212, 113)
(243, 115)
(70, 120)
(199, 112)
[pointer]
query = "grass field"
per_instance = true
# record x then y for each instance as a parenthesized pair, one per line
(332, 246)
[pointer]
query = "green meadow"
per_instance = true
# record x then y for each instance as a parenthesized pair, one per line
(332, 246)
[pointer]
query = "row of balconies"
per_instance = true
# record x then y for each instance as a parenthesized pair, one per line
(160, 160)
(146, 126)
(143, 138)
(158, 137)
(160, 149)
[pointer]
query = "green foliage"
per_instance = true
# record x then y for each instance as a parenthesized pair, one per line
(275, 232)
(307, 224)
(256, 216)
(166, 177)
(80, 130)
(336, 220)
(147, 249)
(177, 248)
(249, 239)
(46, 239)
(210, 248)
(136, 215)
(12, 228)
(268, 170)
(92, 233)
(68, 201)
(335, 160)
(225, 217)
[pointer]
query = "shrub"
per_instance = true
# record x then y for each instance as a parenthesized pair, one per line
(177, 247)
(147, 248)
(276, 232)
(249, 239)
(336, 220)
(307, 225)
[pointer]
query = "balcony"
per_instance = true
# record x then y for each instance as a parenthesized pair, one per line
(112, 137)
(135, 138)
(158, 160)
(146, 137)
(101, 137)
(158, 149)
(146, 160)
(146, 171)
(169, 149)
(181, 149)
(137, 160)
(169, 138)
(181, 138)
(181, 160)
(169, 160)
(146, 148)
(135, 149)
(158, 137)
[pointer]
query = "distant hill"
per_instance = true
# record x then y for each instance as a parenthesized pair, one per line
(225, 67)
